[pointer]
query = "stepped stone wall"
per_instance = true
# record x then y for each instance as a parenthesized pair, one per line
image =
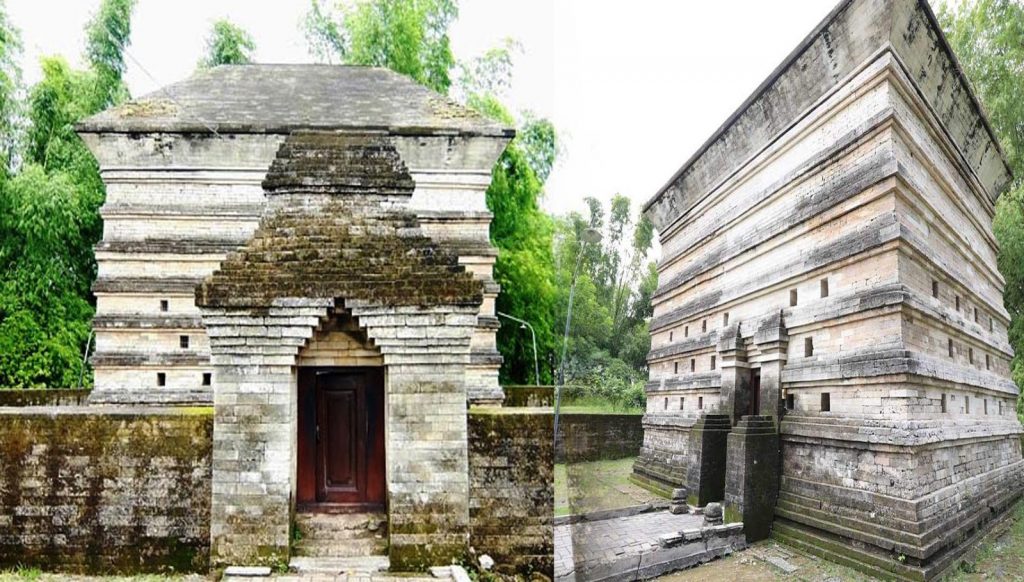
(832, 244)
(180, 199)
(97, 490)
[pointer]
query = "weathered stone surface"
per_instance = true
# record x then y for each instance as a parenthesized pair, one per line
(832, 246)
(511, 487)
(85, 489)
(592, 437)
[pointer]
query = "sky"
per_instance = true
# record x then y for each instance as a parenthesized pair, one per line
(633, 88)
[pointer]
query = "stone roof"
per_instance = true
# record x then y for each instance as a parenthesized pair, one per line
(334, 228)
(854, 32)
(263, 98)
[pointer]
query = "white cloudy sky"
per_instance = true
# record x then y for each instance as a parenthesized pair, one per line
(633, 87)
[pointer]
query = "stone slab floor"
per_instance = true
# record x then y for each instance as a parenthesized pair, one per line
(611, 540)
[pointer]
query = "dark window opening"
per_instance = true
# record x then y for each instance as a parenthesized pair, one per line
(935, 289)
(700, 402)
(950, 347)
(666, 404)
(942, 404)
(790, 402)
(693, 365)
(975, 315)
(970, 355)
(704, 326)
(984, 405)
(713, 358)
(677, 368)
(1000, 408)
(826, 402)
(183, 341)
(824, 287)
(967, 404)
(164, 305)
(686, 331)
(161, 379)
(808, 347)
(670, 334)
(988, 362)
(682, 402)
(207, 378)
(958, 303)
(792, 298)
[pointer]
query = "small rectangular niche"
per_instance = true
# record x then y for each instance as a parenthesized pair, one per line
(790, 402)
(991, 324)
(943, 404)
(1000, 407)
(713, 362)
(949, 347)
(670, 334)
(161, 379)
(677, 367)
(958, 303)
(793, 297)
(975, 315)
(183, 342)
(682, 402)
(686, 331)
(725, 319)
(700, 402)
(704, 326)
(826, 402)
(824, 287)
(988, 362)
(808, 347)
(207, 378)
(935, 289)
(970, 355)
(693, 364)
(164, 305)
(967, 404)
(666, 403)
(984, 406)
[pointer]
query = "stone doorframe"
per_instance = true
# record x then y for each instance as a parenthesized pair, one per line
(766, 349)
(425, 352)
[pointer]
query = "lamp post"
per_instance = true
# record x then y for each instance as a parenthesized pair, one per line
(591, 236)
(526, 324)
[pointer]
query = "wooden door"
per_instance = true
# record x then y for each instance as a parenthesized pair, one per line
(341, 437)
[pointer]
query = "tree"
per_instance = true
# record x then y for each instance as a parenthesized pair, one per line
(227, 44)
(49, 212)
(609, 339)
(10, 85)
(408, 37)
(988, 39)
(107, 36)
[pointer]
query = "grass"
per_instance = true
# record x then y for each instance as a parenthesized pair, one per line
(999, 556)
(594, 405)
(26, 574)
(597, 485)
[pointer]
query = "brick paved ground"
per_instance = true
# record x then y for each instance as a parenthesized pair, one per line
(583, 545)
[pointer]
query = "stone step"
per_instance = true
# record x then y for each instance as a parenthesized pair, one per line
(328, 548)
(335, 566)
(340, 535)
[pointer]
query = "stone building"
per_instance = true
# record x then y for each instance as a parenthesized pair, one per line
(305, 247)
(829, 343)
